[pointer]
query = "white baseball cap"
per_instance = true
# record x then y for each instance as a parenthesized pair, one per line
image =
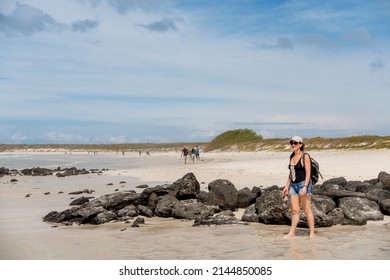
(297, 139)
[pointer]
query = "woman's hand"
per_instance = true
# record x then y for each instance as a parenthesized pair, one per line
(285, 191)
(303, 191)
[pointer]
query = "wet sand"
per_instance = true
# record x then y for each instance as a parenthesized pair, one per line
(23, 235)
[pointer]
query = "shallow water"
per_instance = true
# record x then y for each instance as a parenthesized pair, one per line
(23, 235)
(168, 239)
(66, 160)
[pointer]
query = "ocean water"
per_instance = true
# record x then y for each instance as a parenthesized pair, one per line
(66, 160)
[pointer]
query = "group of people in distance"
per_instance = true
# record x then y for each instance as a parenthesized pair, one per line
(193, 153)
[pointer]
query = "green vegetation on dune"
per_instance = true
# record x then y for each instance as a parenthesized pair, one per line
(239, 137)
(233, 140)
(248, 140)
(353, 143)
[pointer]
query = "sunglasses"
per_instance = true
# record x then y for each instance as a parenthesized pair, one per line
(294, 143)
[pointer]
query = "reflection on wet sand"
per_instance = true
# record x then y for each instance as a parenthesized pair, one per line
(303, 249)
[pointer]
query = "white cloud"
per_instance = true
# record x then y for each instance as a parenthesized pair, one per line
(84, 25)
(282, 43)
(27, 20)
(360, 35)
(18, 137)
(123, 6)
(377, 64)
(61, 137)
(163, 25)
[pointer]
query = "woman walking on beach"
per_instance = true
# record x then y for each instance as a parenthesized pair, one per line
(299, 186)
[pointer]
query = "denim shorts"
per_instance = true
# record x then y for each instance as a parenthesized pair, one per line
(295, 188)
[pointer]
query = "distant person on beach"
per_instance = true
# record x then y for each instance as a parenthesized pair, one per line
(197, 153)
(193, 155)
(184, 153)
(299, 186)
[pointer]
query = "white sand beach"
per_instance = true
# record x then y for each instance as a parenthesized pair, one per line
(23, 235)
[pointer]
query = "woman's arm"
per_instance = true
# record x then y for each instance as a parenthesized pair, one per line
(287, 186)
(307, 169)
(307, 160)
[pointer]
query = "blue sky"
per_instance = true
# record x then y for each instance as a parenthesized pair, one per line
(134, 71)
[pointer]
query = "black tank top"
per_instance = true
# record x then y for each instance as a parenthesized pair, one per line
(300, 172)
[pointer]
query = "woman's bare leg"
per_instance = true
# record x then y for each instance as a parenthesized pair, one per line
(295, 215)
(306, 204)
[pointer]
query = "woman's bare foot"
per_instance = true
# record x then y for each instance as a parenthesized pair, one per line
(288, 236)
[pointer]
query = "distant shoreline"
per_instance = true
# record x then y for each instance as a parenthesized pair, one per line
(166, 147)
(365, 142)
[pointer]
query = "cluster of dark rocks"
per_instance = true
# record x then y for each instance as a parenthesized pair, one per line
(40, 171)
(336, 201)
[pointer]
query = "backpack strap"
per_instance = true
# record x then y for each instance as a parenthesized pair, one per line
(303, 163)
(302, 159)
